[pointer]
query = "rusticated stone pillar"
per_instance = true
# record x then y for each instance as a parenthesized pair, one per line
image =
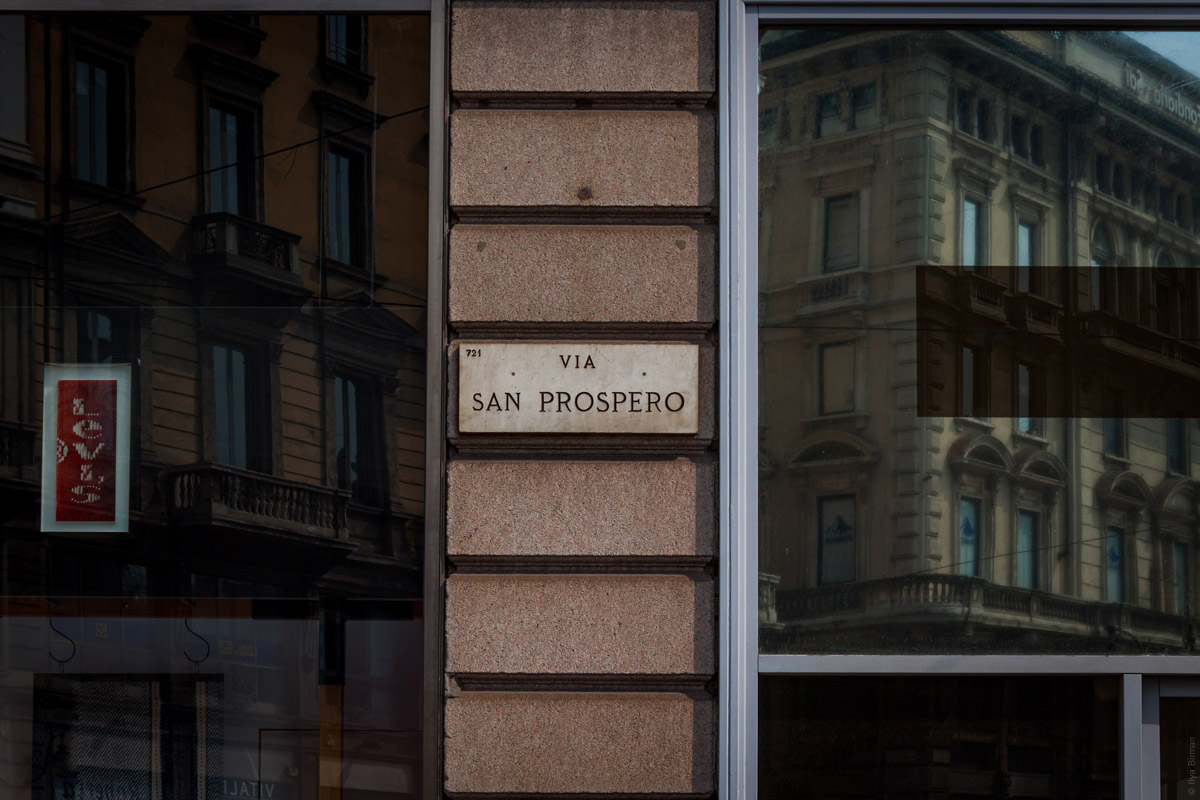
(580, 624)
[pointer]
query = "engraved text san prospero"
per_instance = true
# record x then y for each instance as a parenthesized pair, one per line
(601, 402)
(578, 387)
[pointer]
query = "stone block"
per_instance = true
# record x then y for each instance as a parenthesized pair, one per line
(559, 508)
(582, 158)
(580, 273)
(585, 742)
(587, 624)
(583, 47)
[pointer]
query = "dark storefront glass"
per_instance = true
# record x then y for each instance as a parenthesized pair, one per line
(978, 366)
(257, 629)
(955, 737)
(1179, 759)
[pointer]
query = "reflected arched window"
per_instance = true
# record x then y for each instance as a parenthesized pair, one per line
(1103, 255)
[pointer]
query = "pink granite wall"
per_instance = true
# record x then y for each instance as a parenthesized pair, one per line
(580, 622)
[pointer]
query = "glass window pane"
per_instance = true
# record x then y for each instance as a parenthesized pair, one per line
(865, 114)
(222, 391)
(252, 597)
(1025, 256)
(1027, 549)
(1177, 446)
(841, 233)
(967, 388)
(337, 37)
(1021, 371)
(340, 411)
(216, 160)
(84, 128)
(97, 340)
(239, 399)
(229, 155)
(1025, 422)
(340, 207)
(942, 736)
(1182, 579)
(968, 536)
(99, 126)
(224, 154)
(1114, 570)
(837, 378)
(829, 111)
(836, 524)
(234, 421)
(970, 234)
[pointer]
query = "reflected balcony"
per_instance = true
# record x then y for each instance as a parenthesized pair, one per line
(1032, 314)
(1143, 344)
(242, 262)
(261, 517)
(981, 295)
(819, 295)
(873, 613)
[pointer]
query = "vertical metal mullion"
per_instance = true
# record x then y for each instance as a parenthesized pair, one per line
(1130, 766)
(435, 404)
(738, 615)
(1148, 760)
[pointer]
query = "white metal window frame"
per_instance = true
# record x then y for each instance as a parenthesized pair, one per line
(739, 662)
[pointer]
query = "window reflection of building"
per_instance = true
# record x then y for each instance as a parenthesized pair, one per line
(231, 154)
(1030, 421)
(242, 323)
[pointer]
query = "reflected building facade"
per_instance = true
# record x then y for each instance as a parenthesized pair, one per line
(978, 350)
(198, 196)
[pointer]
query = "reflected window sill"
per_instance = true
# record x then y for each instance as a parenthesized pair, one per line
(105, 194)
(973, 423)
(1037, 440)
(858, 418)
(1117, 461)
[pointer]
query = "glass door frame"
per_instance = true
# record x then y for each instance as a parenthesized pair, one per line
(739, 663)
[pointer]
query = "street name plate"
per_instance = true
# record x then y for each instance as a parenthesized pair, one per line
(508, 387)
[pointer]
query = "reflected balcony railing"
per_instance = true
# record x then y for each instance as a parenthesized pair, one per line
(230, 235)
(909, 597)
(215, 494)
(819, 294)
(242, 262)
(1138, 341)
(981, 295)
(1028, 312)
